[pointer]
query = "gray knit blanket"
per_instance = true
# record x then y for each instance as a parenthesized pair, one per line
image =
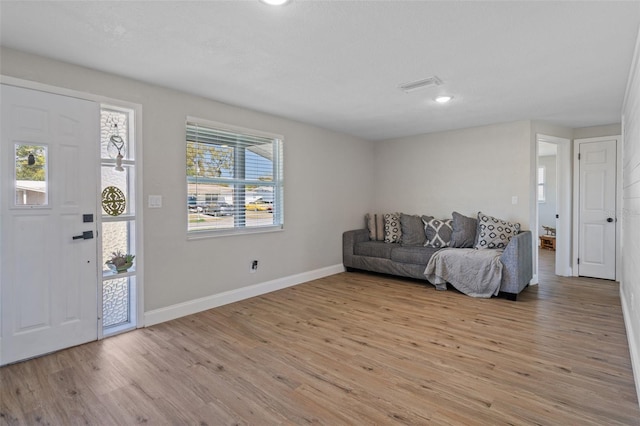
(474, 272)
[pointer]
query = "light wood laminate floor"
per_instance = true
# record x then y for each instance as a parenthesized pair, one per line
(352, 348)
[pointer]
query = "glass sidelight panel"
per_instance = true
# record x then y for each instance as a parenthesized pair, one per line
(31, 177)
(115, 237)
(116, 299)
(118, 177)
(114, 134)
(120, 180)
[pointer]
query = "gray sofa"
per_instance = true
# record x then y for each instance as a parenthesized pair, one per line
(360, 253)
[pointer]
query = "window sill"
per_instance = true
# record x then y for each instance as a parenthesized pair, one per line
(199, 235)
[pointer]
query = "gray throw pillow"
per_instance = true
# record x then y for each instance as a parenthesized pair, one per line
(438, 232)
(464, 231)
(412, 230)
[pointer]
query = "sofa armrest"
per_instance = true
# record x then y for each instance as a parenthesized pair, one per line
(349, 240)
(517, 261)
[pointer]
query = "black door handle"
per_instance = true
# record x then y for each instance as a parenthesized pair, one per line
(609, 219)
(86, 235)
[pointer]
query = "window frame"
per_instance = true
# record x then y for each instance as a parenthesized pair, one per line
(278, 181)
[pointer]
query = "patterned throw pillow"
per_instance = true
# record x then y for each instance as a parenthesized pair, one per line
(438, 232)
(392, 230)
(375, 225)
(494, 233)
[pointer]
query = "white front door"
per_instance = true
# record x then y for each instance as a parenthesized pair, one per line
(48, 267)
(597, 209)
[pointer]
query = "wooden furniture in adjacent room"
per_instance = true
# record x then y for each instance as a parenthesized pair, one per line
(548, 242)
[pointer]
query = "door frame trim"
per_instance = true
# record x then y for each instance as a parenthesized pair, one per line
(139, 205)
(576, 204)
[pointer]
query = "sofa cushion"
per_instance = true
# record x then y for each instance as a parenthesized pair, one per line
(416, 255)
(392, 229)
(494, 233)
(373, 249)
(464, 231)
(438, 232)
(375, 225)
(412, 230)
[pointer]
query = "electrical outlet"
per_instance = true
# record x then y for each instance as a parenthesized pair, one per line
(254, 266)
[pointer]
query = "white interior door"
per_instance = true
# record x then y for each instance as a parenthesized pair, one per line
(48, 279)
(597, 209)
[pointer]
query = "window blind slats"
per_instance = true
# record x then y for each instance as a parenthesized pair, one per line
(204, 134)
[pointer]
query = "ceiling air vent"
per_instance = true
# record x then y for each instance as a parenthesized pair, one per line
(421, 84)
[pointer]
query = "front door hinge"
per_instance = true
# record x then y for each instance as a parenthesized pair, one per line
(578, 261)
(578, 156)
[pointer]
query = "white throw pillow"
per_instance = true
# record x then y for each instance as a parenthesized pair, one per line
(375, 225)
(392, 229)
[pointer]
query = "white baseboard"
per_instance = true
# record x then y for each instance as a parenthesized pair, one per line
(178, 310)
(634, 349)
(534, 280)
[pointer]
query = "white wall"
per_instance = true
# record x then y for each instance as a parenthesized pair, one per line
(328, 188)
(630, 282)
(597, 131)
(468, 170)
(547, 210)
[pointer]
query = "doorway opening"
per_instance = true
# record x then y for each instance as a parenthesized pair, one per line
(553, 207)
(547, 199)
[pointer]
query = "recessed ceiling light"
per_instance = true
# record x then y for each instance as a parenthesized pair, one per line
(443, 99)
(275, 2)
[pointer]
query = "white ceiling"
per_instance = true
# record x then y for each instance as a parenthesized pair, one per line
(338, 64)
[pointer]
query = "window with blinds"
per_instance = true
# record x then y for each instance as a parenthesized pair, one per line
(542, 184)
(234, 179)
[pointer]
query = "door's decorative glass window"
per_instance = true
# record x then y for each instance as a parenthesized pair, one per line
(31, 178)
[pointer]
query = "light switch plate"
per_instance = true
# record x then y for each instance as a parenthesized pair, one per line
(514, 199)
(155, 201)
